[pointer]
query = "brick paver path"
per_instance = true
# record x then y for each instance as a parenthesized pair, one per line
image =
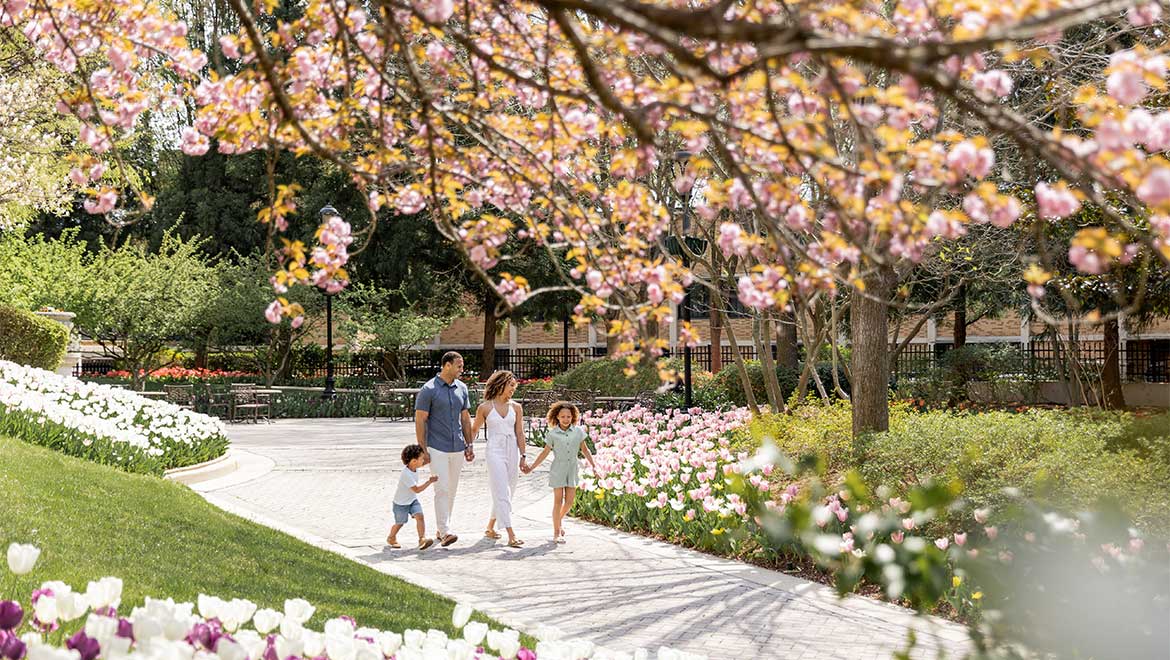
(331, 482)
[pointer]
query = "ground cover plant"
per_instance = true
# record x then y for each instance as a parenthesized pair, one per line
(104, 424)
(163, 540)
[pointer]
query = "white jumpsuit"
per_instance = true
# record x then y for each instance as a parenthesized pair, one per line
(503, 462)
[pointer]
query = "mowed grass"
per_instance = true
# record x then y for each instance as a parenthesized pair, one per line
(164, 540)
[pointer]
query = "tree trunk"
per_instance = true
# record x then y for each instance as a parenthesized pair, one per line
(871, 368)
(960, 333)
(744, 380)
(716, 339)
(1113, 396)
(489, 339)
(763, 329)
(786, 341)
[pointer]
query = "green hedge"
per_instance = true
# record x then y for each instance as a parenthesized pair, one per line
(31, 339)
(608, 377)
(1065, 459)
(726, 385)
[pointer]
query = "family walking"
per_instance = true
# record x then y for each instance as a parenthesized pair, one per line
(445, 435)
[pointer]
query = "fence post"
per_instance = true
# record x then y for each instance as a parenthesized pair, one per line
(1122, 346)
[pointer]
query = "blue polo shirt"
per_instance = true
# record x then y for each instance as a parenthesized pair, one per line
(444, 405)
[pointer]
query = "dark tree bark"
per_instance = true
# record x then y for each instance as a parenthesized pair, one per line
(489, 338)
(1113, 395)
(868, 321)
(788, 356)
(960, 334)
(716, 340)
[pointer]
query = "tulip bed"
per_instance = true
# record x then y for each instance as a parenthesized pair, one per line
(58, 623)
(104, 424)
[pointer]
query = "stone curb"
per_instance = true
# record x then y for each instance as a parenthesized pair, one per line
(213, 469)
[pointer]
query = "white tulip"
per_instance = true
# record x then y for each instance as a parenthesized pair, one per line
(339, 627)
(458, 649)
(298, 610)
(509, 646)
(106, 592)
(48, 652)
(314, 642)
(22, 558)
(227, 649)
(340, 647)
(209, 606)
(581, 648)
(410, 654)
(146, 627)
(254, 645)
(45, 609)
(474, 632)
(286, 647)
(413, 639)
(436, 637)
(367, 632)
(266, 620)
(367, 650)
(549, 633)
(552, 650)
(390, 642)
(461, 615)
(71, 605)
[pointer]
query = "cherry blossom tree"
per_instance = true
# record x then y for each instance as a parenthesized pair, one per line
(833, 143)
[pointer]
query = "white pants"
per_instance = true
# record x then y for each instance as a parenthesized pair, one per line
(503, 463)
(446, 466)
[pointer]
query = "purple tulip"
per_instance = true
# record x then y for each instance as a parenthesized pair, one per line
(125, 629)
(10, 646)
(200, 635)
(87, 646)
(11, 614)
(525, 654)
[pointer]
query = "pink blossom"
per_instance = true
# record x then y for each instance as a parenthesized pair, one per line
(992, 84)
(410, 201)
(437, 53)
(1056, 201)
(194, 142)
(106, 200)
(1143, 15)
(230, 46)
(1157, 136)
(966, 158)
(273, 312)
(981, 515)
(1155, 188)
(897, 536)
(298, 321)
(908, 524)
(435, 11)
(991, 531)
(1125, 82)
(942, 543)
(960, 538)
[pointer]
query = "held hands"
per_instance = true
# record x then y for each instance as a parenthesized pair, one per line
(524, 466)
(469, 454)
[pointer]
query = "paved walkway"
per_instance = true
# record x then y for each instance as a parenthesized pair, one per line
(331, 482)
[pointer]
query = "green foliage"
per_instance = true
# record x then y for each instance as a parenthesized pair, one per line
(1006, 369)
(91, 522)
(1063, 459)
(608, 377)
(43, 273)
(377, 320)
(727, 386)
(808, 428)
(29, 339)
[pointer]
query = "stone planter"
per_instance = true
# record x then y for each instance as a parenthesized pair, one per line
(73, 350)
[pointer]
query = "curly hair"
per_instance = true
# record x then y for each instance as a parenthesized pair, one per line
(411, 452)
(555, 410)
(497, 383)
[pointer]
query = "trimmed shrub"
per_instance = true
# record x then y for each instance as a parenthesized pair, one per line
(30, 339)
(728, 387)
(608, 377)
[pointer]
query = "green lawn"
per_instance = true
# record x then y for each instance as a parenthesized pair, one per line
(163, 540)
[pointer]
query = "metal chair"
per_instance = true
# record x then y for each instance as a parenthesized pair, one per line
(182, 396)
(647, 399)
(247, 399)
(584, 399)
(396, 403)
(218, 399)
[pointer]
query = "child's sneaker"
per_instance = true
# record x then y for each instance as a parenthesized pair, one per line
(425, 543)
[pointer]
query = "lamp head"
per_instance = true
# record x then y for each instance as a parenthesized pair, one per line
(329, 212)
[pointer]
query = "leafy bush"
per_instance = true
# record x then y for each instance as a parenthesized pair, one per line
(608, 377)
(30, 339)
(810, 428)
(1062, 458)
(1004, 366)
(727, 387)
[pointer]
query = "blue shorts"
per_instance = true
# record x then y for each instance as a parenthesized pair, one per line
(403, 512)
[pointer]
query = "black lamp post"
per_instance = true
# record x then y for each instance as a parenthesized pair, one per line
(696, 245)
(329, 393)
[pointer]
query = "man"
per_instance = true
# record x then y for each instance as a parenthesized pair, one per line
(442, 427)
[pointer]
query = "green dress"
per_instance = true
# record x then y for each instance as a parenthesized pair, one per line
(564, 445)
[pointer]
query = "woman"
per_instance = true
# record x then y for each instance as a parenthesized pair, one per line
(505, 445)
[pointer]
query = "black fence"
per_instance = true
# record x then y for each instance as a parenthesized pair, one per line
(1144, 360)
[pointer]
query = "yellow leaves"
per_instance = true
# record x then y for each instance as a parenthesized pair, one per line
(1036, 275)
(1098, 239)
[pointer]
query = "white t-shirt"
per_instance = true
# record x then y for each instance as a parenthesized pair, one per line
(407, 480)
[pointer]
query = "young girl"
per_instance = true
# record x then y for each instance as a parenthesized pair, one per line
(564, 438)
